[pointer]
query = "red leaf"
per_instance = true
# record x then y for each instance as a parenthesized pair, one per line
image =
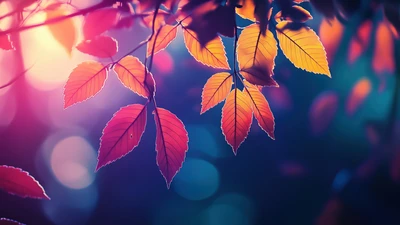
(323, 111)
(5, 221)
(383, 60)
(85, 81)
(357, 96)
(18, 182)
(215, 90)
(131, 72)
(5, 42)
(99, 21)
(171, 143)
(236, 118)
(122, 134)
(100, 46)
(359, 43)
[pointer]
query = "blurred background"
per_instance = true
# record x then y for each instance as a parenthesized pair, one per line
(327, 166)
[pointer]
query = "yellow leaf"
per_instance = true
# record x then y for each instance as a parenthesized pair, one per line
(213, 54)
(215, 90)
(256, 54)
(165, 36)
(64, 31)
(303, 48)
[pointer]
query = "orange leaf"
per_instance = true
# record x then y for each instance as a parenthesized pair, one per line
(131, 72)
(63, 31)
(247, 10)
(99, 21)
(122, 134)
(215, 90)
(165, 36)
(261, 109)
(303, 48)
(213, 54)
(236, 118)
(256, 54)
(295, 14)
(383, 60)
(100, 46)
(85, 81)
(330, 33)
(359, 43)
(171, 143)
(358, 94)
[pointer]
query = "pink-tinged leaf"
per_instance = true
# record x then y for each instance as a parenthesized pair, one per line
(359, 43)
(383, 60)
(237, 116)
(171, 143)
(125, 22)
(99, 21)
(215, 90)
(357, 96)
(85, 81)
(5, 42)
(262, 111)
(131, 72)
(322, 111)
(100, 46)
(5, 221)
(122, 134)
(18, 182)
(165, 36)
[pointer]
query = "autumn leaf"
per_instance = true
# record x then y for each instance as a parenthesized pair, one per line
(322, 111)
(359, 43)
(64, 31)
(330, 33)
(99, 21)
(212, 54)
(131, 72)
(165, 36)
(5, 42)
(215, 90)
(122, 134)
(100, 46)
(236, 119)
(85, 81)
(295, 13)
(18, 182)
(5, 221)
(171, 143)
(256, 54)
(262, 111)
(383, 60)
(358, 95)
(247, 10)
(303, 48)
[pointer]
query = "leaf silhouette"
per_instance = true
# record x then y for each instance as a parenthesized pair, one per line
(165, 36)
(18, 182)
(358, 94)
(64, 31)
(5, 42)
(212, 54)
(236, 119)
(215, 90)
(5, 221)
(262, 111)
(171, 143)
(303, 48)
(256, 54)
(85, 81)
(99, 21)
(131, 72)
(122, 134)
(100, 46)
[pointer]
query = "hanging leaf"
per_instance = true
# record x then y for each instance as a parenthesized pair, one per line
(303, 48)
(100, 46)
(171, 143)
(262, 111)
(247, 10)
(18, 182)
(215, 90)
(358, 95)
(330, 33)
(236, 118)
(131, 72)
(359, 43)
(5, 42)
(256, 55)
(64, 31)
(5, 221)
(85, 81)
(383, 60)
(165, 36)
(322, 111)
(212, 54)
(99, 21)
(122, 134)
(295, 13)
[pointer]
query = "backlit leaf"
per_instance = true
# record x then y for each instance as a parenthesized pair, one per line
(236, 119)
(303, 48)
(85, 81)
(5, 221)
(99, 21)
(322, 111)
(294, 14)
(18, 182)
(122, 134)
(64, 31)
(247, 10)
(131, 72)
(256, 54)
(330, 33)
(215, 90)
(171, 143)
(357, 95)
(383, 60)
(262, 111)
(212, 54)
(165, 36)
(5, 42)
(100, 46)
